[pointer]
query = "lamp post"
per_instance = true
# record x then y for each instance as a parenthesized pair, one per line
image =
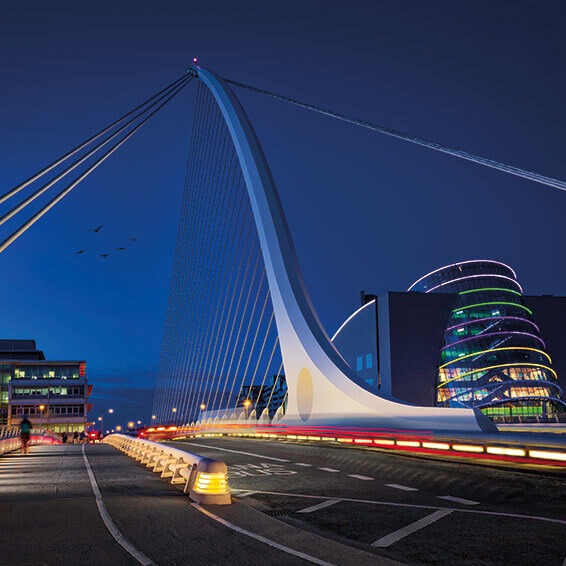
(247, 404)
(41, 407)
(118, 428)
(101, 419)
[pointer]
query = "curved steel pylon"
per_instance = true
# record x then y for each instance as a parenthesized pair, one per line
(322, 388)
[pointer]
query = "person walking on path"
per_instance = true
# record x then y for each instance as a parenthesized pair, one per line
(25, 431)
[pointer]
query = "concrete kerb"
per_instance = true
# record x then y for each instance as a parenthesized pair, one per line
(205, 480)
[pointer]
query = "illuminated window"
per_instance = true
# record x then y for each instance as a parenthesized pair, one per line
(359, 363)
(369, 361)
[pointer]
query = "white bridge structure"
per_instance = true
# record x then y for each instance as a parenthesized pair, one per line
(322, 389)
(240, 327)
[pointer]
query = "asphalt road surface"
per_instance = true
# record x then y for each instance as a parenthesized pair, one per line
(52, 515)
(409, 509)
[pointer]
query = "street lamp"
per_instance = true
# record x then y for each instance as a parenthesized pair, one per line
(118, 428)
(174, 409)
(247, 404)
(202, 406)
(153, 417)
(131, 424)
(101, 419)
(41, 407)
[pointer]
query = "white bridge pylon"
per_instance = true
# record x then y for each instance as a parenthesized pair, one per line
(322, 388)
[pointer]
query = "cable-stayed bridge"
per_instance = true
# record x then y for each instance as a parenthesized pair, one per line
(240, 326)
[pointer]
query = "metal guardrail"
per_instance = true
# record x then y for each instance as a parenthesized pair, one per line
(205, 480)
(548, 418)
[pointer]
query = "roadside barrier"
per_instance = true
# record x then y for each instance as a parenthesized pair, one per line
(10, 438)
(204, 479)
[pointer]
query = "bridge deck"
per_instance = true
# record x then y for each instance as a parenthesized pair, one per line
(50, 516)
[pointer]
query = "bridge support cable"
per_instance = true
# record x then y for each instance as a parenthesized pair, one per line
(191, 231)
(181, 241)
(80, 161)
(531, 176)
(26, 225)
(219, 309)
(84, 144)
(186, 300)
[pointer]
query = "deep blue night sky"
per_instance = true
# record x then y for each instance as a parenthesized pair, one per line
(366, 211)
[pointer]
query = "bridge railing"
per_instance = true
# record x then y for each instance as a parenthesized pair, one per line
(204, 479)
(10, 438)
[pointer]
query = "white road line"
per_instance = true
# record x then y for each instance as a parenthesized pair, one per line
(118, 536)
(401, 487)
(395, 536)
(415, 506)
(235, 451)
(359, 477)
(244, 494)
(321, 505)
(328, 470)
(458, 500)
(302, 464)
(272, 543)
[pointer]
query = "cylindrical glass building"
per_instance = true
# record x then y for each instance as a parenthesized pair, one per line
(492, 356)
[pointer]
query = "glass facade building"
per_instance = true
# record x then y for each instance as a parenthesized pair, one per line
(492, 356)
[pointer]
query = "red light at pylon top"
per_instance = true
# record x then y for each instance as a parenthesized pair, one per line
(195, 60)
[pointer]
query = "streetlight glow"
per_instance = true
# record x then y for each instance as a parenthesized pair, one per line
(202, 407)
(110, 410)
(118, 428)
(131, 424)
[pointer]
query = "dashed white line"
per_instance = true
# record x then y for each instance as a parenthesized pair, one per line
(458, 500)
(416, 506)
(395, 536)
(360, 477)
(321, 505)
(401, 487)
(328, 470)
(302, 464)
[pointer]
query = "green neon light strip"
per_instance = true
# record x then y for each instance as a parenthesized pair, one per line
(496, 350)
(491, 289)
(499, 366)
(496, 303)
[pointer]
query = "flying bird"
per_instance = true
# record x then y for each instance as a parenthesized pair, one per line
(121, 249)
(96, 229)
(80, 252)
(103, 255)
(133, 239)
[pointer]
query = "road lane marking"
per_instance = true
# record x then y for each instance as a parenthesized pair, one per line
(244, 494)
(118, 536)
(235, 451)
(270, 542)
(321, 505)
(302, 464)
(328, 470)
(399, 534)
(401, 487)
(416, 506)
(458, 500)
(359, 477)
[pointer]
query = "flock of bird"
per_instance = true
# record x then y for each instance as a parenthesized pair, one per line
(96, 230)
